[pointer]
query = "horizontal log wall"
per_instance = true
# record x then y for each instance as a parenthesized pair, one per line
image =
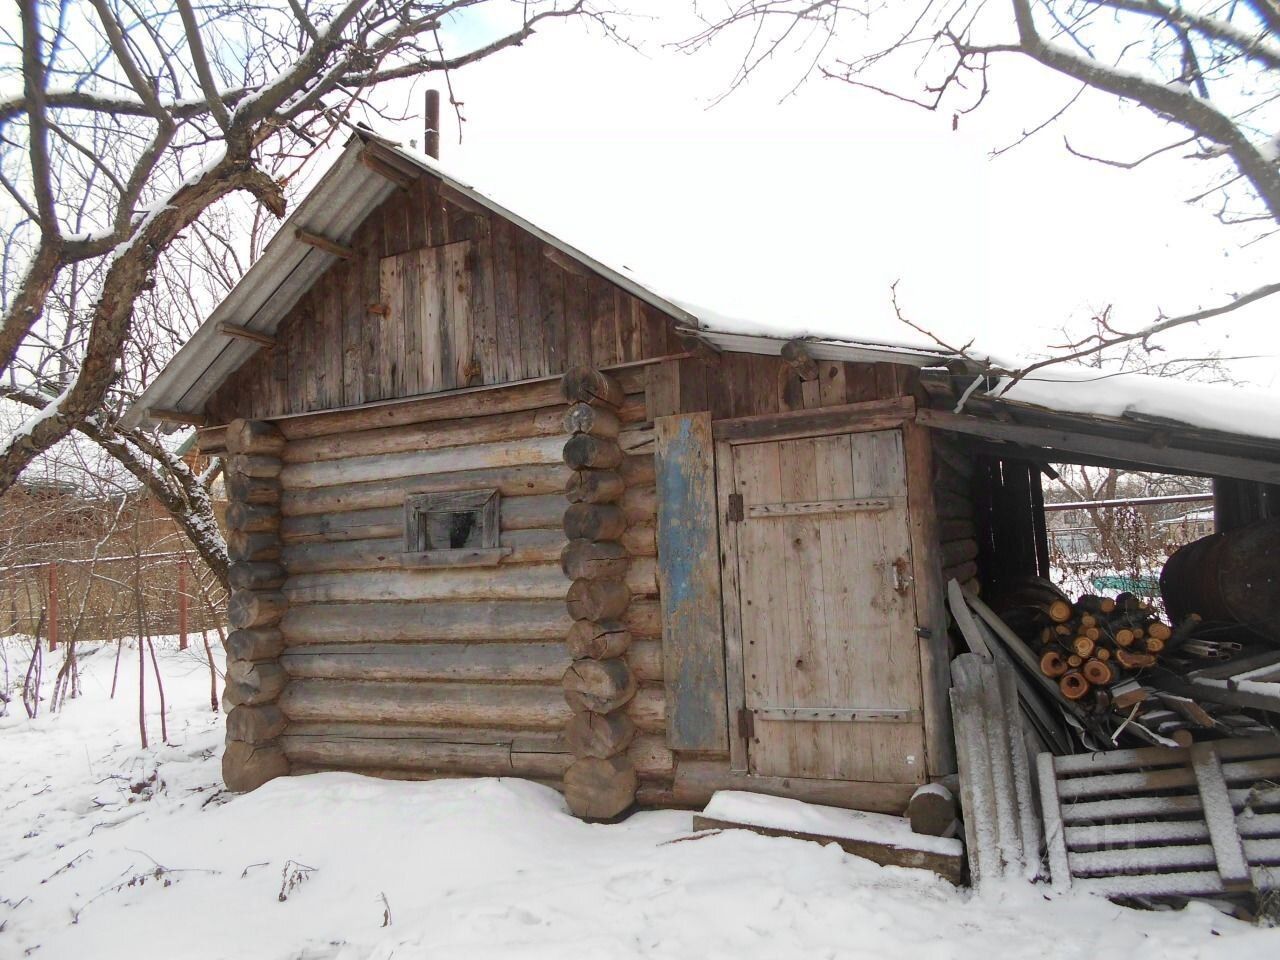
(953, 478)
(450, 671)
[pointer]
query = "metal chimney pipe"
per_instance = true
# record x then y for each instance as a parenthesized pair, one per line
(431, 133)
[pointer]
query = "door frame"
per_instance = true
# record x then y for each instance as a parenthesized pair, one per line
(930, 612)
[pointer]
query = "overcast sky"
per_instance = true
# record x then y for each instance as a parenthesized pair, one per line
(805, 209)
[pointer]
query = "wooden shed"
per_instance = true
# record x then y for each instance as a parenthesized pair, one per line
(497, 508)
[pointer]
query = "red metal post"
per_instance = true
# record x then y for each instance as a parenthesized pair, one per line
(182, 604)
(53, 606)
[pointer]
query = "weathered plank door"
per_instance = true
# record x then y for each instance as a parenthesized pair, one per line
(829, 652)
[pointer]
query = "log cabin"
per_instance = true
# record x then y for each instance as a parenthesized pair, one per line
(499, 508)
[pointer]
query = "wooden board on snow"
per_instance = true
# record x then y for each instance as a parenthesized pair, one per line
(879, 837)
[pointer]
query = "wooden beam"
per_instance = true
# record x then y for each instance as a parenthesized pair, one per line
(564, 261)
(1134, 451)
(323, 243)
(846, 418)
(244, 333)
(801, 360)
(463, 202)
(177, 416)
(401, 178)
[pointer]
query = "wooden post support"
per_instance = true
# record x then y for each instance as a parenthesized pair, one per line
(601, 782)
(53, 607)
(182, 604)
(255, 677)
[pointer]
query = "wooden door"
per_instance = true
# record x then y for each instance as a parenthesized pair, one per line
(830, 655)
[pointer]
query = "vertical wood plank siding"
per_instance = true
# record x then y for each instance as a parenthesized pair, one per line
(471, 299)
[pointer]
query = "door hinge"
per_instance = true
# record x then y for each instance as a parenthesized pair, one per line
(746, 724)
(736, 509)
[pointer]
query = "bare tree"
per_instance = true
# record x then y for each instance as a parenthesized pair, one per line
(134, 123)
(1207, 71)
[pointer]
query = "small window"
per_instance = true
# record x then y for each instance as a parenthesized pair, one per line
(452, 529)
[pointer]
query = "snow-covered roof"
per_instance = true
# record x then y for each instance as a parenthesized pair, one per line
(351, 190)
(348, 192)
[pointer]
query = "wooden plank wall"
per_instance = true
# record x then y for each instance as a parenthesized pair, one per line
(413, 673)
(504, 311)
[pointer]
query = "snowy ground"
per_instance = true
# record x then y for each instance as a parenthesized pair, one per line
(93, 865)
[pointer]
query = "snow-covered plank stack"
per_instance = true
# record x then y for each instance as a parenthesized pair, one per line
(1165, 822)
(255, 677)
(601, 782)
(1002, 832)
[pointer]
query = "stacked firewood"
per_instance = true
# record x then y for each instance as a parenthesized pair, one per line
(1090, 646)
(601, 782)
(254, 678)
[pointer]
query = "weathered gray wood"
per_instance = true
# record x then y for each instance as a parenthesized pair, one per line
(523, 660)
(474, 759)
(255, 576)
(511, 482)
(264, 643)
(519, 425)
(516, 513)
(537, 706)
(597, 641)
(600, 789)
(255, 724)
(1220, 818)
(595, 560)
(503, 582)
(594, 735)
(1131, 450)
(254, 437)
(949, 867)
(415, 463)
(697, 780)
(592, 521)
(250, 766)
(598, 686)
(596, 421)
(585, 452)
(594, 486)
(447, 620)
(253, 608)
(256, 681)
(598, 600)
(250, 465)
(585, 385)
(253, 489)
(252, 547)
(474, 705)
(252, 517)
(247, 766)
(467, 402)
(524, 546)
(689, 583)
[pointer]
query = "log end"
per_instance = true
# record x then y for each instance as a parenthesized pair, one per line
(597, 789)
(247, 766)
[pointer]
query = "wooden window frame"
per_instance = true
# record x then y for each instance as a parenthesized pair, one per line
(485, 503)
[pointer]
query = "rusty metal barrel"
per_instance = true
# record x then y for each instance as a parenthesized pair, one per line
(1232, 576)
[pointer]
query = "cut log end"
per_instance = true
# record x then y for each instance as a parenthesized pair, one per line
(247, 766)
(592, 735)
(598, 686)
(600, 789)
(590, 386)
